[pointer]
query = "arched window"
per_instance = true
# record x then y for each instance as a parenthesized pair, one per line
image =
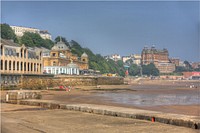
(21, 51)
(21, 66)
(1, 64)
(28, 66)
(34, 67)
(10, 65)
(24, 66)
(18, 66)
(40, 67)
(13, 65)
(37, 67)
(24, 53)
(31, 67)
(6, 62)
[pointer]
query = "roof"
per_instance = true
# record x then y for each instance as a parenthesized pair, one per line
(9, 43)
(153, 50)
(60, 46)
(44, 32)
(84, 55)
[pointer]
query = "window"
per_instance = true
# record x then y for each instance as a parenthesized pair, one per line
(13, 65)
(21, 52)
(24, 66)
(21, 66)
(54, 63)
(24, 53)
(6, 51)
(1, 64)
(54, 54)
(9, 65)
(1, 50)
(17, 65)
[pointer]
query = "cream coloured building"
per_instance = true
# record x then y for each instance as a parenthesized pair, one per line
(60, 60)
(19, 31)
(137, 59)
(18, 60)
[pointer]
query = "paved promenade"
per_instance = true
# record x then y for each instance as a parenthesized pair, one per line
(35, 119)
(167, 118)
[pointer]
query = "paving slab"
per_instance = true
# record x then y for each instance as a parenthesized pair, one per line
(167, 118)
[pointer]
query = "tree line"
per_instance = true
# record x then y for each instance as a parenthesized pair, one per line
(96, 61)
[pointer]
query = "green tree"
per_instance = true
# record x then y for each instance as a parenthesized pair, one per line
(34, 39)
(8, 33)
(134, 70)
(27, 41)
(188, 66)
(76, 48)
(180, 69)
(150, 69)
(129, 61)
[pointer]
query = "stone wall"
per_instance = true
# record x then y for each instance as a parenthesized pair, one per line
(110, 80)
(53, 82)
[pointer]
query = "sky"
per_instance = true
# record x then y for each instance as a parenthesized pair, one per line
(115, 27)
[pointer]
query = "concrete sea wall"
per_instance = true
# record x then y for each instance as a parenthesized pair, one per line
(50, 82)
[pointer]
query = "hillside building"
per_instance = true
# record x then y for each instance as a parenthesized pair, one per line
(137, 59)
(19, 31)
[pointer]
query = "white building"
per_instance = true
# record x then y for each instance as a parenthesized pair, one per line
(114, 57)
(137, 59)
(125, 58)
(70, 69)
(19, 31)
(45, 34)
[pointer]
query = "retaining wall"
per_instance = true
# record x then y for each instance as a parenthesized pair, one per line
(48, 82)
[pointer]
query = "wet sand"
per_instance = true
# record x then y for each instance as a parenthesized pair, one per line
(170, 97)
(164, 96)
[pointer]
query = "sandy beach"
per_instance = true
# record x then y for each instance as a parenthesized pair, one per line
(166, 96)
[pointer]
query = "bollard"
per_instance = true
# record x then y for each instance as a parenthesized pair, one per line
(153, 119)
(7, 97)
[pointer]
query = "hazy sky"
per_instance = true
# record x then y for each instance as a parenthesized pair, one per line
(115, 27)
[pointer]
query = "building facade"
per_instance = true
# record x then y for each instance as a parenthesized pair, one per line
(125, 58)
(166, 67)
(160, 58)
(17, 61)
(60, 60)
(137, 59)
(190, 75)
(175, 61)
(19, 31)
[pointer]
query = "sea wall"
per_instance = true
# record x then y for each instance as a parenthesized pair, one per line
(63, 80)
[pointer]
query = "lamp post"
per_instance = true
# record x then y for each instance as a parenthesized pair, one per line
(141, 70)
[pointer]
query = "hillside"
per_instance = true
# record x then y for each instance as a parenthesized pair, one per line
(96, 61)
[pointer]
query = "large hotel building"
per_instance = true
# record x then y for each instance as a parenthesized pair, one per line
(160, 58)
